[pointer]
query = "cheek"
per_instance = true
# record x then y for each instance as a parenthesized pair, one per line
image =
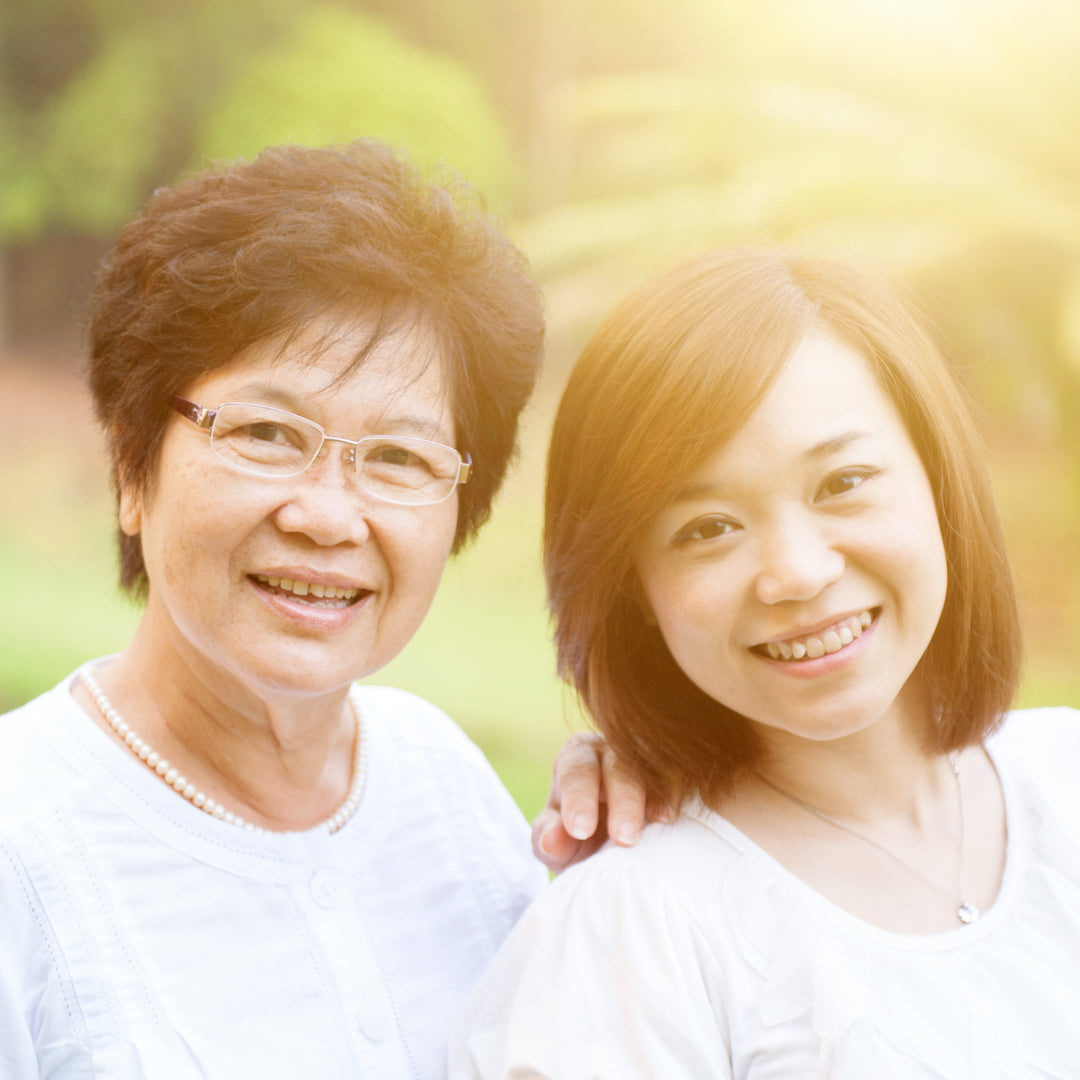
(421, 547)
(688, 609)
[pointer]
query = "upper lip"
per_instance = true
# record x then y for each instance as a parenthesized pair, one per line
(313, 577)
(819, 627)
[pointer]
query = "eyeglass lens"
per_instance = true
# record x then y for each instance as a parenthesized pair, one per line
(269, 441)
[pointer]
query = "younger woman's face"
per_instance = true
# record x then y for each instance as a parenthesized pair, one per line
(799, 576)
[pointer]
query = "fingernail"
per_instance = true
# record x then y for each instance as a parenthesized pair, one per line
(581, 827)
(625, 833)
(544, 842)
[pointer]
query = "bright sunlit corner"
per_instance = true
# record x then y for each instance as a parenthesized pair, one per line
(934, 141)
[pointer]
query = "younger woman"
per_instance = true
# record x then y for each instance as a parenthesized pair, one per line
(780, 589)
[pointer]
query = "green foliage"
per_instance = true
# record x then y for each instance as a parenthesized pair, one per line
(338, 75)
(102, 142)
(100, 102)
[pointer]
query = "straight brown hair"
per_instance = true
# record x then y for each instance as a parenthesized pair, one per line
(668, 378)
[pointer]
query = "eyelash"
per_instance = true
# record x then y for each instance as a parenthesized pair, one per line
(861, 474)
(686, 534)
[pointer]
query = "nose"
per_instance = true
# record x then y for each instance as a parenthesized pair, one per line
(797, 560)
(325, 503)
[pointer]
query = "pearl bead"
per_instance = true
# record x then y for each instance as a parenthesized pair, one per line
(172, 776)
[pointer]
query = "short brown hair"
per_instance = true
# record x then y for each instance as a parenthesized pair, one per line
(253, 251)
(671, 375)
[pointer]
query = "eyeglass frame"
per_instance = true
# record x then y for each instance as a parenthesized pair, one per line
(203, 417)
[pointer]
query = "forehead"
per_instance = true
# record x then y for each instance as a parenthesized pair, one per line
(328, 370)
(826, 393)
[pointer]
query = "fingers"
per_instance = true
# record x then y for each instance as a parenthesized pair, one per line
(555, 847)
(578, 784)
(572, 812)
(592, 796)
(551, 843)
(625, 801)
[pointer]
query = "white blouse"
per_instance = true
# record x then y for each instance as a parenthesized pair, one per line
(696, 954)
(142, 938)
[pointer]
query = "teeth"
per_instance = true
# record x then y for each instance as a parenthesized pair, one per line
(303, 588)
(812, 647)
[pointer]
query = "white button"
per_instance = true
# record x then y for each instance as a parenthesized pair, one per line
(375, 1022)
(328, 889)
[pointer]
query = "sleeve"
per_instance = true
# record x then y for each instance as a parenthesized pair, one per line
(18, 1056)
(606, 977)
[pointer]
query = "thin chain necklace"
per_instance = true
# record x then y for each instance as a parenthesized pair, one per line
(966, 912)
(182, 786)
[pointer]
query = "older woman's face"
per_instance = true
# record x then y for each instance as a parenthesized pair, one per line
(799, 577)
(236, 561)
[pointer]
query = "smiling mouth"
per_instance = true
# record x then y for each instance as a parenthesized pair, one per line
(813, 646)
(323, 596)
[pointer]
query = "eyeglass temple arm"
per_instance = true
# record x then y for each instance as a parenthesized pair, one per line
(197, 414)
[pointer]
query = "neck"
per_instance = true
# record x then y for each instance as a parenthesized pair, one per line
(283, 761)
(880, 772)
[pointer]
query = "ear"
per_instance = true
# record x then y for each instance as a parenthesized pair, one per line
(130, 514)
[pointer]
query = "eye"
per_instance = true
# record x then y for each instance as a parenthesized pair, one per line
(399, 459)
(396, 455)
(706, 528)
(266, 431)
(844, 481)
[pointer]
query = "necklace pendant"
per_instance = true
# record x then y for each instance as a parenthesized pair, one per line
(967, 913)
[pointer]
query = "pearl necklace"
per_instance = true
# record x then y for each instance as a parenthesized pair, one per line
(966, 912)
(182, 786)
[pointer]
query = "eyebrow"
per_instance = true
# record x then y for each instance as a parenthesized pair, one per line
(422, 427)
(817, 452)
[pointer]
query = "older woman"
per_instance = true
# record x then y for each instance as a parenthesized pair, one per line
(218, 857)
(780, 587)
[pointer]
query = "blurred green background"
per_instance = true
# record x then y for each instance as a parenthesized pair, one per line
(935, 140)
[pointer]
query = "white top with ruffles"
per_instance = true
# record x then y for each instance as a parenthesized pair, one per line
(142, 939)
(696, 954)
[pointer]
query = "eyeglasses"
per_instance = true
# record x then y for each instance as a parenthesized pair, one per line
(271, 442)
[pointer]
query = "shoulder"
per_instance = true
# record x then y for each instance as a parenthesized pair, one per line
(34, 775)
(442, 784)
(618, 958)
(411, 719)
(1045, 738)
(673, 881)
(425, 742)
